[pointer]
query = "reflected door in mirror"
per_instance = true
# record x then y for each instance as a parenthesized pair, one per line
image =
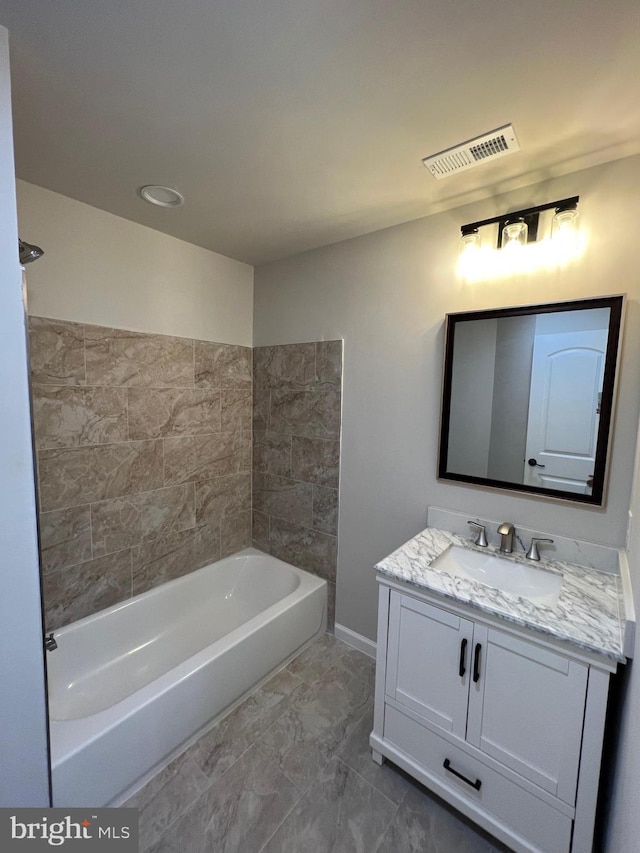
(562, 432)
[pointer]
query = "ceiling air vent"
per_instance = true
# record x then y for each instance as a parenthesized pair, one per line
(483, 148)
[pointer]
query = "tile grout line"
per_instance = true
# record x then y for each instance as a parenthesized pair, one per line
(365, 780)
(284, 819)
(213, 781)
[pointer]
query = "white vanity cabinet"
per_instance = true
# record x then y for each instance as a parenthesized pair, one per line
(491, 719)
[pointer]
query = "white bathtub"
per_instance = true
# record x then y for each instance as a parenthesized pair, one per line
(129, 685)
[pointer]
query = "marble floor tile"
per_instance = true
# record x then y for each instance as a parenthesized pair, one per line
(308, 734)
(359, 664)
(341, 813)
(166, 797)
(318, 658)
(425, 823)
(356, 753)
(237, 814)
(221, 746)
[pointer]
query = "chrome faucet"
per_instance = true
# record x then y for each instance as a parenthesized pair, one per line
(533, 553)
(507, 532)
(481, 537)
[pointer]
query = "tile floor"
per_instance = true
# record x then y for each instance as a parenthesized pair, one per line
(290, 771)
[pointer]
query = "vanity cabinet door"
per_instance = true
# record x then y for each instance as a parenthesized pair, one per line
(526, 710)
(429, 662)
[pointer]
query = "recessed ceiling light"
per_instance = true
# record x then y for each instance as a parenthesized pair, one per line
(161, 196)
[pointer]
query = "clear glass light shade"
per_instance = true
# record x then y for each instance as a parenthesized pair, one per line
(470, 242)
(565, 225)
(514, 234)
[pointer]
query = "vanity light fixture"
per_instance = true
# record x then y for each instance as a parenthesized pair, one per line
(521, 226)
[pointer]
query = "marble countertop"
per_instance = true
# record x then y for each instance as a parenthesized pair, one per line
(587, 615)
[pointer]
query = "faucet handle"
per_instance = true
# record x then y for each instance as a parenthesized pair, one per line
(481, 538)
(533, 553)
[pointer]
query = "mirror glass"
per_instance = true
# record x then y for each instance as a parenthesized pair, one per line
(528, 396)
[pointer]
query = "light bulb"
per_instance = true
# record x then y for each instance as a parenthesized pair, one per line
(470, 242)
(514, 234)
(565, 224)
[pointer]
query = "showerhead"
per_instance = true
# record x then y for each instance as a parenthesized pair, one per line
(29, 252)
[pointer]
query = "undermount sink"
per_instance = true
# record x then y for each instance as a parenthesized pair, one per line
(530, 582)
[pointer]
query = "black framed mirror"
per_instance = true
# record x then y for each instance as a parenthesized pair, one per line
(528, 397)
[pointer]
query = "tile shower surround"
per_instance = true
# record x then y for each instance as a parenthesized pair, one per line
(144, 460)
(296, 455)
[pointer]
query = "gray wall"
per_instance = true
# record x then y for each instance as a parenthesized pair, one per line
(386, 294)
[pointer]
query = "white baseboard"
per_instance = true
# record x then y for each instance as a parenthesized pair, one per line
(363, 644)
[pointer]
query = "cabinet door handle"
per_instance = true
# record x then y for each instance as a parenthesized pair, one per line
(476, 663)
(447, 766)
(463, 655)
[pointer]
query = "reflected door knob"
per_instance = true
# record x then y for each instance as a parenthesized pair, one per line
(534, 463)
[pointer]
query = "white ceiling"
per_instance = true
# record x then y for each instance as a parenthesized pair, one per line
(290, 124)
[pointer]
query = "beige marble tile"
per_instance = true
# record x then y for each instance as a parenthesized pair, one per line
(308, 549)
(162, 412)
(272, 454)
(235, 405)
(122, 522)
(315, 460)
(69, 477)
(310, 413)
(289, 365)
(65, 537)
(119, 357)
(56, 352)
(325, 510)
(283, 497)
(235, 533)
(222, 496)
(329, 362)
(172, 555)
(246, 440)
(72, 416)
(260, 531)
(222, 365)
(202, 457)
(73, 593)
(261, 408)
